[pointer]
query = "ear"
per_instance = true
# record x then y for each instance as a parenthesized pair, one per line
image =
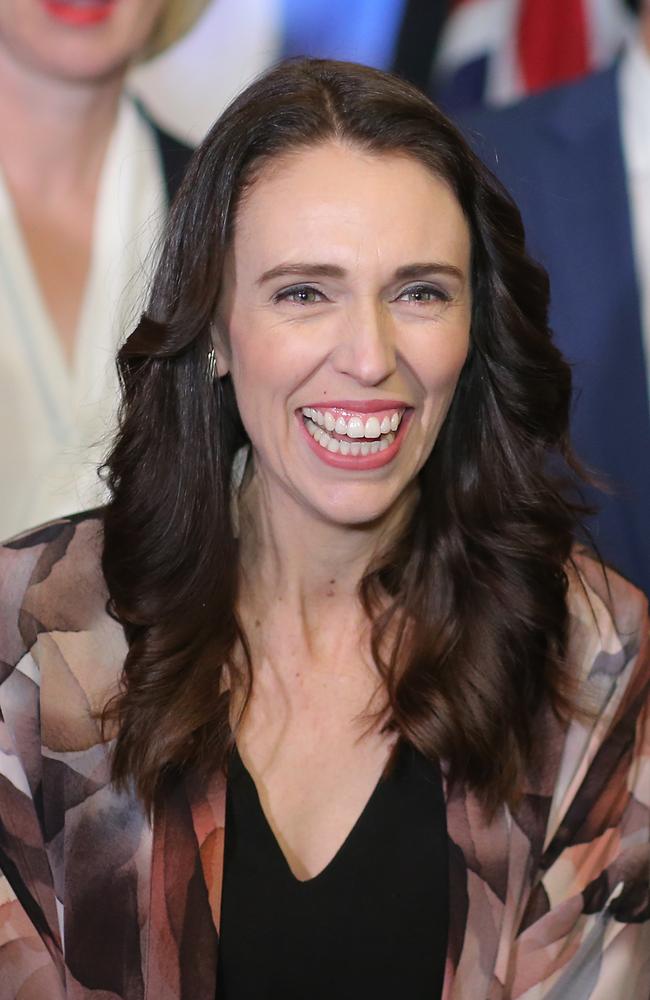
(220, 349)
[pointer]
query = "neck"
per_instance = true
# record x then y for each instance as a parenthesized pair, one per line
(54, 128)
(306, 569)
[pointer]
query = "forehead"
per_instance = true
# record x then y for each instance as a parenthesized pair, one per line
(339, 199)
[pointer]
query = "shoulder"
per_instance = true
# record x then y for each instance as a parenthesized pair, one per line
(61, 652)
(541, 120)
(609, 626)
(608, 656)
(51, 581)
(544, 107)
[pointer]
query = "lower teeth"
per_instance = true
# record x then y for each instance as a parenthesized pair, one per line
(354, 448)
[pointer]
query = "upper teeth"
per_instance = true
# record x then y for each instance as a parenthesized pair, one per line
(355, 426)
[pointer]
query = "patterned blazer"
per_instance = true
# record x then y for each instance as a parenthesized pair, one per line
(98, 902)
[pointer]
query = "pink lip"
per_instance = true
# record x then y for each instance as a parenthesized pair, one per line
(358, 405)
(79, 15)
(358, 463)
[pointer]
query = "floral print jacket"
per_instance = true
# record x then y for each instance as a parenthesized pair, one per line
(551, 901)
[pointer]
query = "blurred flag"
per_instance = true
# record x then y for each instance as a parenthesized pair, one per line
(497, 51)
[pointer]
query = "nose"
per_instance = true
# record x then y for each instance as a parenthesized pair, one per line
(366, 348)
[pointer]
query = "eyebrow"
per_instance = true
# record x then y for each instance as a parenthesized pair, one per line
(405, 273)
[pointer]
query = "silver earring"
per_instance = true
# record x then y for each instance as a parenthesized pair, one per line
(212, 364)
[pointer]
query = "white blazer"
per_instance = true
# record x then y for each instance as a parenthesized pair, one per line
(56, 417)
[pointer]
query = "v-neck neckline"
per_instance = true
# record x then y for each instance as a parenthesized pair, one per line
(42, 326)
(238, 772)
(60, 376)
(38, 333)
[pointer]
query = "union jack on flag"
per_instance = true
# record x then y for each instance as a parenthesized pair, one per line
(496, 51)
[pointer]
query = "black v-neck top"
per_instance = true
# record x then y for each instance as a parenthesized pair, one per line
(373, 923)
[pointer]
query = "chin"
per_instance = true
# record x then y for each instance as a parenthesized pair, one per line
(357, 512)
(86, 69)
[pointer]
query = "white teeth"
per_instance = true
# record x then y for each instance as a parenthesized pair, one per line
(356, 428)
(319, 423)
(335, 446)
(373, 429)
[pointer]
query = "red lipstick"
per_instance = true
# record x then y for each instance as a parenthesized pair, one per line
(80, 14)
(359, 405)
(358, 463)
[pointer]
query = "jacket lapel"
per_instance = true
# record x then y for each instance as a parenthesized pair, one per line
(492, 865)
(479, 859)
(208, 808)
(186, 878)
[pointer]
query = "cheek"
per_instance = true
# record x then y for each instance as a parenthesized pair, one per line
(273, 361)
(440, 367)
(261, 379)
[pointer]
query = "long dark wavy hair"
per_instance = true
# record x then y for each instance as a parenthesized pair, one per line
(473, 595)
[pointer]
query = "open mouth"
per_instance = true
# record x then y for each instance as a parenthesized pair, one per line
(346, 437)
(359, 434)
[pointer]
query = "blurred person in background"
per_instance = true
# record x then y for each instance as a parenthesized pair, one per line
(577, 160)
(85, 178)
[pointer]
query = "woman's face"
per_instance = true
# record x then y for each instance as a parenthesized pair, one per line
(76, 40)
(345, 322)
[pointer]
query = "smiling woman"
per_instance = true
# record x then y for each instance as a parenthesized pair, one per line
(332, 705)
(365, 320)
